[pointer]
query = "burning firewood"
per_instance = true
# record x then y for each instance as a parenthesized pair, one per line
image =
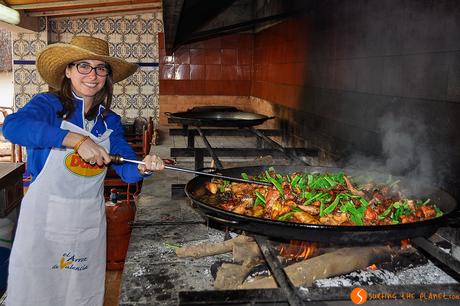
(244, 251)
(341, 261)
(230, 276)
(208, 249)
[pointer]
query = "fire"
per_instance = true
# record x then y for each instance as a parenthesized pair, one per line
(405, 244)
(298, 250)
(373, 267)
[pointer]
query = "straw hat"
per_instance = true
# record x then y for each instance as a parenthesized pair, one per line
(52, 61)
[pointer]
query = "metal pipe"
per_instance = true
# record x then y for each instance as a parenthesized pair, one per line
(278, 272)
(277, 145)
(119, 159)
(211, 152)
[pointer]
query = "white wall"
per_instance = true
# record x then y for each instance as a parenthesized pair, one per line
(6, 89)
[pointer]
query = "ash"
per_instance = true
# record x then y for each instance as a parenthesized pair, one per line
(421, 275)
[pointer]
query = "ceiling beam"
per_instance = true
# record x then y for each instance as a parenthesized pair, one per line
(27, 24)
(95, 10)
(64, 4)
(110, 14)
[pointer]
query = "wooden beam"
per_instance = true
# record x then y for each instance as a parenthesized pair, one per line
(27, 24)
(94, 10)
(11, 2)
(64, 4)
(111, 14)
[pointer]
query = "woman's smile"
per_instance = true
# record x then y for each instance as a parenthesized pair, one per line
(86, 85)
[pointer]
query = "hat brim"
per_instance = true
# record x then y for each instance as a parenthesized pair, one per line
(52, 61)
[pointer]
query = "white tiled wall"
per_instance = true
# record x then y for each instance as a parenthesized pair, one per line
(132, 37)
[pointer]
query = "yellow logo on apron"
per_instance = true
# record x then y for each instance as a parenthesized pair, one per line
(63, 263)
(77, 165)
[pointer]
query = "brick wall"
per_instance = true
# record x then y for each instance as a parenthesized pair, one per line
(280, 54)
(219, 66)
(381, 81)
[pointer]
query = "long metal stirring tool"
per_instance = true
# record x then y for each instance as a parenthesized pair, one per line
(117, 159)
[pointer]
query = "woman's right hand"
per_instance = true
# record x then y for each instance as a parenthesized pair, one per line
(88, 150)
(93, 153)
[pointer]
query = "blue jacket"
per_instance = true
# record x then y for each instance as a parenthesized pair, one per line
(37, 127)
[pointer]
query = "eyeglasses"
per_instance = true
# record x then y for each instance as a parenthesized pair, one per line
(85, 68)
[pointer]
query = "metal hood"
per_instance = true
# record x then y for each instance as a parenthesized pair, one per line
(187, 21)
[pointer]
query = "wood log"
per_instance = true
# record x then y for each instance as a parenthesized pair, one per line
(208, 249)
(246, 251)
(230, 276)
(341, 261)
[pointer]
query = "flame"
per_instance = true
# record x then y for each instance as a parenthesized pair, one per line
(373, 267)
(405, 244)
(298, 250)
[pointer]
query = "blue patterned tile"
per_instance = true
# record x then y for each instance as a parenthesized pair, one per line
(132, 37)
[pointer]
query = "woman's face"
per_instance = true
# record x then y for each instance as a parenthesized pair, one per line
(86, 85)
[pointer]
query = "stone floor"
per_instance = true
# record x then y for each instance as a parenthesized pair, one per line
(162, 223)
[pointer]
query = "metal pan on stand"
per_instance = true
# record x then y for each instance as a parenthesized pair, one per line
(322, 233)
(217, 118)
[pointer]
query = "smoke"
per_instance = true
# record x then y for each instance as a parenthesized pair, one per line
(405, 152)
(404, 146)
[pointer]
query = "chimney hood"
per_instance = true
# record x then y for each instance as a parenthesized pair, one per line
(187, 21)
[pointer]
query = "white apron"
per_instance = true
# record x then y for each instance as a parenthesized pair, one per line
(59, 252)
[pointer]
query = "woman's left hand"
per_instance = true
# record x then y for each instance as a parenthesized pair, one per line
(152, 163)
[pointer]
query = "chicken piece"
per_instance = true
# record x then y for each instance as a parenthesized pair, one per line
(428, 211)
(378, 196)
(229, 205)
(271, 197)
(352, 189)
(379, 209)
(246, 199)
(312, 210)
(340, 218)
(370, 215)
(411, 204)
(284, 210)
(237, 188)
(408, 219)
(305, 217)
(279, 208)
(336, 219)
(240, 209)
(316, 203)
(275, 210)
(369, 187)
(212, 187)
(258, 211)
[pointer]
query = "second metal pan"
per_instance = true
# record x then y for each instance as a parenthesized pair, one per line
(218, 118)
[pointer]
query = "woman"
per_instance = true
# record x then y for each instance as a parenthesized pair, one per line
(59, 253)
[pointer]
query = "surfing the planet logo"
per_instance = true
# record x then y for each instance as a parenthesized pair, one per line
(358, 296)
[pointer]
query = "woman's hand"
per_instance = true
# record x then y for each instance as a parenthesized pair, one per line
(152, 163)
(93, 153)
(88, 150)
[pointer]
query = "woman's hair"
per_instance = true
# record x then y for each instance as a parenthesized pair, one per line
(103, 96)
